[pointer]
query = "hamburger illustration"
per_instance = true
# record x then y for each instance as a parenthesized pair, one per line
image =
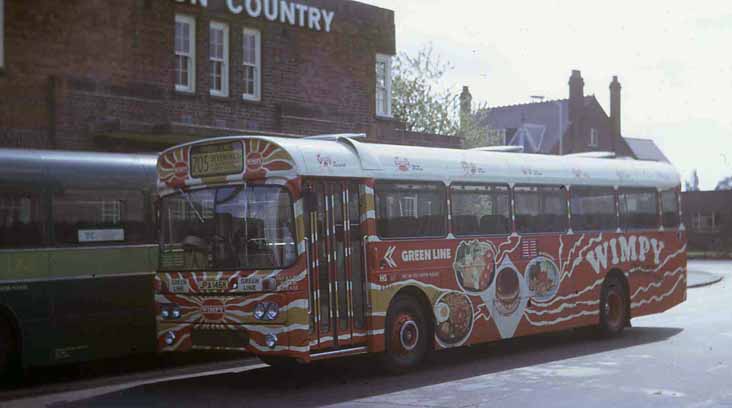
(508, 291)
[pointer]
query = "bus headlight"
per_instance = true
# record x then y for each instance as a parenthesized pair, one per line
(169, 338)
(273, 311)
(175, 313)
(270, 340)
(165, 314)
(267, 311)
(260, 310)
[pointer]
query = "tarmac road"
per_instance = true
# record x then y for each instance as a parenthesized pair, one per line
(680, 358)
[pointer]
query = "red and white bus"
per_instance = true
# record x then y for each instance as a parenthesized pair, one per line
(305, 249)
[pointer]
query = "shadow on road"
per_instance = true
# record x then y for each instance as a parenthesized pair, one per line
(345, 380)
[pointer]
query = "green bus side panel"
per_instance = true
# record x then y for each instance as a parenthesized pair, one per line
(89, 303)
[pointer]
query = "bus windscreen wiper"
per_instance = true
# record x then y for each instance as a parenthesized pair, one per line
(187, 196)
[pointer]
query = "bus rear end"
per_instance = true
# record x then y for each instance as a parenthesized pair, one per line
(230, 277)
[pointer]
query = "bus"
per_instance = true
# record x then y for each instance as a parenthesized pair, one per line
(78, 253)
(299, 250)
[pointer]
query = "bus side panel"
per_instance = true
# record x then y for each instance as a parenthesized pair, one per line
(92, 304)
(660, 284)
(486, 289)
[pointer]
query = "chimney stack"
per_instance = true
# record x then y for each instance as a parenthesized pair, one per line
(576, 95)
(466, 106)
(615, 107)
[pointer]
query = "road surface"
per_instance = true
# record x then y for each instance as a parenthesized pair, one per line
(680, 358)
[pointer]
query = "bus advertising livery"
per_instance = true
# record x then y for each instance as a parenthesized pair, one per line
(305, 249)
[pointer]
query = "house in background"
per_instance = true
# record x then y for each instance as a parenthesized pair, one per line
(577, 124)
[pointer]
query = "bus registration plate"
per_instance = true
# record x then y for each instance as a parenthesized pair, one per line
(217, 159)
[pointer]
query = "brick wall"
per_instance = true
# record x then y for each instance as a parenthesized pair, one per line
(78, 69)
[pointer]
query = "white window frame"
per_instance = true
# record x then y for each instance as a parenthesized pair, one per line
(191, 88)
(386, 60)
(257, 95)
(224, 91)
(2, 34)
(594, 138)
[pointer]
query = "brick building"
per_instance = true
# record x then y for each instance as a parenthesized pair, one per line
(708, 220)
(140, 75)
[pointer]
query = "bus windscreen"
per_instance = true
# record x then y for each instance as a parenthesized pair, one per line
(228, 228)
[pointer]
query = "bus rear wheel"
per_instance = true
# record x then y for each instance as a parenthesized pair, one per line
(8, 349)
(407, 336)
(613, 308)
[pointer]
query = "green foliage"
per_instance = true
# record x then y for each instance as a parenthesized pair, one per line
(419, 99)
(423, 102)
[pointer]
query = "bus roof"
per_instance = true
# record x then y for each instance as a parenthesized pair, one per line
(342, 156)
(71, 169)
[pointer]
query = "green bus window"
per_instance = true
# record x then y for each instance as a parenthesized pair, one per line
(94, 217)
(22, 223)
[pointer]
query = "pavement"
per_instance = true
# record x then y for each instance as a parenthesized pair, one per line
(698, 279)
(679, 358)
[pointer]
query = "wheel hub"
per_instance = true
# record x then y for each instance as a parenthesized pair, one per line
(405, 333)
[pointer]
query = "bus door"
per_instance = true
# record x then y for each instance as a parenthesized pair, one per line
(337, 278)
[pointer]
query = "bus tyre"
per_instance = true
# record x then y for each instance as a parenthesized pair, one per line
(8, 350)
(407, 336)
(613, 308)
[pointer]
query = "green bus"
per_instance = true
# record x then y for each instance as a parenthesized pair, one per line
(77, 257)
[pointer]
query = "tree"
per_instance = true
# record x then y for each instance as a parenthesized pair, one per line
(420, 100)
(725, 184)
(693, 183)
(424, 104)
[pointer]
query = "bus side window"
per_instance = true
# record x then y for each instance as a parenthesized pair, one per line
(408, 210)
(670, 209)
(93, 217)
(541, 209)
(22, 221)
(593, 209)
(638, 208)
(480, 209)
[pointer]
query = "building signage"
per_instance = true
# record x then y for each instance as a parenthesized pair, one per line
(285, 12)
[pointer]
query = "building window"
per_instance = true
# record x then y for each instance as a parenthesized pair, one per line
(383, 85)
(252, 64)
(496, 137)
(185, 54)
(706, 222)
(2, 34)
(219, 58)
(594, 138)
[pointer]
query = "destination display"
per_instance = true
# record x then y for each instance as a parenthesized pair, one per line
(217, 159)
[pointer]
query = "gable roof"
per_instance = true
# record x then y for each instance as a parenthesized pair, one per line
(539, 124)
(646, 149)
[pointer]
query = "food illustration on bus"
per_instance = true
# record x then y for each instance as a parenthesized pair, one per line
(508, 291)
(454, 314)
(542, 276)
(474, 266)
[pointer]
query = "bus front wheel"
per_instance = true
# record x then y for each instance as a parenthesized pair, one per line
(406, 335)
(613, 308)
(8, 349)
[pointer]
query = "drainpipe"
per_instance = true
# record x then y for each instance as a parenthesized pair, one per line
(52, 84)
